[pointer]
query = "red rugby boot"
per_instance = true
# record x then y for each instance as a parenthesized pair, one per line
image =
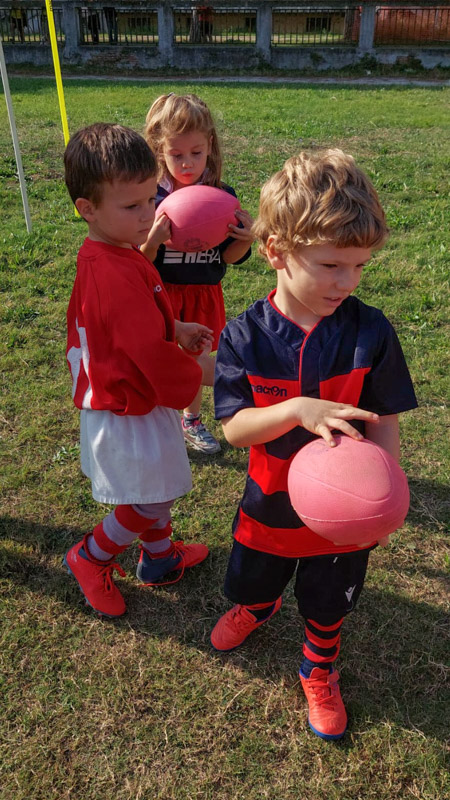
(233, 628)
(95, 580)
(327, 716)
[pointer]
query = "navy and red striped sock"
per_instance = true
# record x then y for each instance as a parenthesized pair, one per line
(320, 647)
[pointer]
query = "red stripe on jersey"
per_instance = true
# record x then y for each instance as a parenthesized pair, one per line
(269, 391)
(269, 472)
(344, 388)
(290, 542)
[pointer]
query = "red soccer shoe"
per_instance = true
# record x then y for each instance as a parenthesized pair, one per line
(95, 580)
(327, 716)
(233, 628)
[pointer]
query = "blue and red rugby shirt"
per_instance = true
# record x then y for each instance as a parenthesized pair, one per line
(352, 356)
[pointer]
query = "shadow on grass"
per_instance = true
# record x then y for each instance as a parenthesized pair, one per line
(394, 647)
(228, 456)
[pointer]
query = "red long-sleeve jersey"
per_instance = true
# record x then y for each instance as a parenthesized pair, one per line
(121, 345)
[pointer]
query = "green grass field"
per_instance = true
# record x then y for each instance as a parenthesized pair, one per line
(141, 708)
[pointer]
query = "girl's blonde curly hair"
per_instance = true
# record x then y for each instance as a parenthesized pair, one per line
(320, 197)
(172, 115)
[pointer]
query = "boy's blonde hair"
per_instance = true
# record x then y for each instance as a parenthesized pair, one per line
(172, 115)
(320, 197)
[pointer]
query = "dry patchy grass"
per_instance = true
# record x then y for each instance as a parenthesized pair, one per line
(141, 708)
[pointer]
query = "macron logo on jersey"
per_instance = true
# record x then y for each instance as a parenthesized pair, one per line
(267, 391)
(203, 257)
(275, 391)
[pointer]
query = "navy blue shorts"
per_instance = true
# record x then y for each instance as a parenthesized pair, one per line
(326, 587)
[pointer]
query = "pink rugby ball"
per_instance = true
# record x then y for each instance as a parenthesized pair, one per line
(199, 217)
(350, 494)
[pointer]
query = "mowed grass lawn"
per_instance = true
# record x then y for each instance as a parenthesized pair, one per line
(141, 708)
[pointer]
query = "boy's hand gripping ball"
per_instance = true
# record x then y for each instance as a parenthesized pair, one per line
(352, 494)
(199, 217)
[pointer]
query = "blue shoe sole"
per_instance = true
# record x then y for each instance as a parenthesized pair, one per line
(230, 649)
(334, 737)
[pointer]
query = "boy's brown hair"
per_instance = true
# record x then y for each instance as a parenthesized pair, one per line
(103, 152)
(320, 197)
(173, 115)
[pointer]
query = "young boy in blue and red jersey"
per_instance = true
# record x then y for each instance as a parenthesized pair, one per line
(307, 360)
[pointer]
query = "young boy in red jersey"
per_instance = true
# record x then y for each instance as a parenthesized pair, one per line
(129, 374)
(307, 360)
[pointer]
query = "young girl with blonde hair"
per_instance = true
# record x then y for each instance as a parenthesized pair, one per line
(181, 132)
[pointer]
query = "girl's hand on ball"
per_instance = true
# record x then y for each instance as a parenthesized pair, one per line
(323, 416)
(244, 233)
(160, 231)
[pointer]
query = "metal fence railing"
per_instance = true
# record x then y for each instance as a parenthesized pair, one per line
(406, 25)
(315, 26)
(112, 25)
(28, 25)
(205, 25)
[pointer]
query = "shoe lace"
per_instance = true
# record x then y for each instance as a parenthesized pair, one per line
(106, 573)
(206, 434)
(192, 423)
(178, 550)
(241, 618)
(199, 428)
(325, 692)
(106, 569)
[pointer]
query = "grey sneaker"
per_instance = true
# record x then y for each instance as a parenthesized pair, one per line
(199, 437)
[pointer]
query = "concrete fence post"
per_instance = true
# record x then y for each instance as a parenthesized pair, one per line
(367, 27)
(70, 28)
(264, 31)
(165, 33)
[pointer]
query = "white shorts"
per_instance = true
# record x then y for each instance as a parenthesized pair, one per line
(134, 459)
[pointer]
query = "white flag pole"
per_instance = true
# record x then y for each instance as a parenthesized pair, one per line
(12, 123)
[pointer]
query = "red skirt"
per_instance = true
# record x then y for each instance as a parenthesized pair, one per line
(199, 303)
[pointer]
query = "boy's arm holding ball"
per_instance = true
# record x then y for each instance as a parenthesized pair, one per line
(252, 426)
